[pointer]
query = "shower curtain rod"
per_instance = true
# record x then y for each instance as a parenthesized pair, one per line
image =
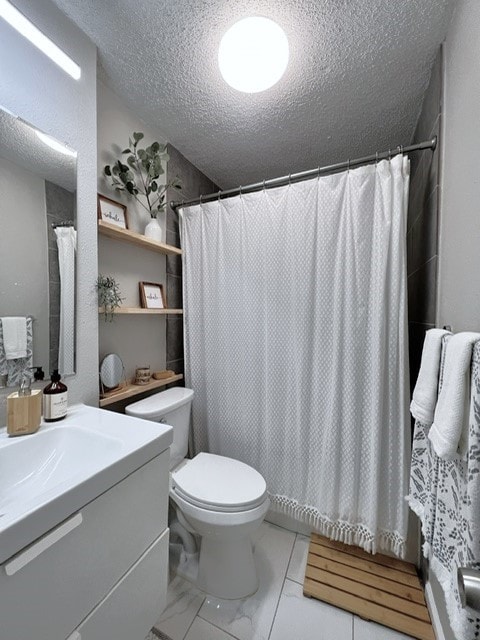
(303, 175)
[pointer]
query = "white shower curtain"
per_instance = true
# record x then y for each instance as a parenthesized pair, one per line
(66, 244)
(296, 346)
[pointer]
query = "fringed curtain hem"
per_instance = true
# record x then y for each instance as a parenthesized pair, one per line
(339, 530)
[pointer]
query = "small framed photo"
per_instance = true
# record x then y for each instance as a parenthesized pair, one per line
(152, 296)
(112, 212)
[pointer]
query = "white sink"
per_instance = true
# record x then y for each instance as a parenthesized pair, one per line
(47, 476)
(60, 457)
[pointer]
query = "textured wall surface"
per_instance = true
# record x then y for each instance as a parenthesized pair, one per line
(194, 184)
(138, 340)
(115, 124)
(36, 89)
(354, 84)
(459, 266)
(422, 234)
(423, 252)
(458, 297)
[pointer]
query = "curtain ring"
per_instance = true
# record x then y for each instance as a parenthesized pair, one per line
(219, 193)
(201, 200)
(376, 158)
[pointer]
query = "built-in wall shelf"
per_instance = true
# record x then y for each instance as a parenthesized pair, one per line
(140, 311)
(129, 390)
(125, 235)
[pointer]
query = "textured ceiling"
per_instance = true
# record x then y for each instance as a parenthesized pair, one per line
(20, 145)
(357, 73)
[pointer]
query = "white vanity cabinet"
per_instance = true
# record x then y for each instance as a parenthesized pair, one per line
(102, 573)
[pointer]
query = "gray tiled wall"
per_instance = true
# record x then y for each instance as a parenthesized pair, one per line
(422, 225)
(194, 184)
(60, 206)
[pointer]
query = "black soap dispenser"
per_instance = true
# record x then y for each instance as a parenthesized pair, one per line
(38, 374)
(55, 399)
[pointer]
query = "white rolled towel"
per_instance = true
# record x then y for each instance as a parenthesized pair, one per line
(14, 337)
(425, 394)
(450, 416)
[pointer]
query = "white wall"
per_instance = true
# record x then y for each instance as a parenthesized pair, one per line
(36, 89)
(24, 288)
(458, 282)
(116, 124)
(138, 340)
(458, 299)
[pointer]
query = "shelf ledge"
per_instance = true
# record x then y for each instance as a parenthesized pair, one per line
(140, 311)
(125, 235)
(131, 390)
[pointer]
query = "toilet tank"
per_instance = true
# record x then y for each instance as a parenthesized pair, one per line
(172, 407)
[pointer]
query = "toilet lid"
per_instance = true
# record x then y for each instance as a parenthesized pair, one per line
(223, 484)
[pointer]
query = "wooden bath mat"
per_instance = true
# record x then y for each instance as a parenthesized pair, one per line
(374, 587)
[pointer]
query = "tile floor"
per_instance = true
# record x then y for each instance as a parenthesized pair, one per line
(278, 611)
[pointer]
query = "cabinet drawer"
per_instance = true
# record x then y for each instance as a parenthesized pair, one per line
(135, 604)
(60, 584)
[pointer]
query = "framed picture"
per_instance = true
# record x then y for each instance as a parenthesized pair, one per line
(152, 296)
(112, 212)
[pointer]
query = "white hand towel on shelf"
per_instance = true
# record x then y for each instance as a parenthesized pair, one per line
(14, 337)
(449, 420)
(425, 394)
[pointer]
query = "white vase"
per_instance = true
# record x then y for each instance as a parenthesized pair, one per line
(155, 231)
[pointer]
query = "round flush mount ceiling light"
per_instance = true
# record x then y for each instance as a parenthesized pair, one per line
(253, 54)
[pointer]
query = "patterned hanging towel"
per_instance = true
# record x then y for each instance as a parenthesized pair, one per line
(445, 494)
(18, 368)
(424, 471)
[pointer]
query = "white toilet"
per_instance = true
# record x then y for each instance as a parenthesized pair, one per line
(220, 499)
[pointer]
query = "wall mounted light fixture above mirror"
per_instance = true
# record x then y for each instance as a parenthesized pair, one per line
(38, 181)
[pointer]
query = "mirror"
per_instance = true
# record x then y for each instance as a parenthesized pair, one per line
(38, 181)
(111, 371)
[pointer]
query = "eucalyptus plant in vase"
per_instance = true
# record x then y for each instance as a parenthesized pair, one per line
(139, 175)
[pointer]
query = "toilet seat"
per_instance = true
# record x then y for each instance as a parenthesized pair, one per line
(220, 484)
(215, 518)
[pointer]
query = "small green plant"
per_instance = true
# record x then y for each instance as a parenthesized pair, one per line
(140, 172)
(109, 296)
